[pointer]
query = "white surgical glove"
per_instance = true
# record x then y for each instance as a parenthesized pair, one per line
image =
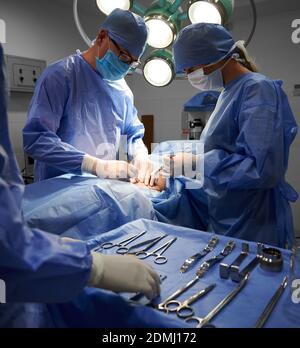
(108, 169)
(124, 274)
(181, 163)
(148, 171)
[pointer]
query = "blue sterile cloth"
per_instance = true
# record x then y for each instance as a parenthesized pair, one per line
(104, 309)
(101, 309)
(245, 308)
(82, 207)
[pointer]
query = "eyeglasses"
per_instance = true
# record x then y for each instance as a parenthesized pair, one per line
(125, 57)
(191, 70)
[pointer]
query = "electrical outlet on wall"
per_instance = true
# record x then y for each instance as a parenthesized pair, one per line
(24, 73)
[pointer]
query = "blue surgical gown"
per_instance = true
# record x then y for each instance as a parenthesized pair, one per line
(36, 266)
(75, 112)
(246, 149)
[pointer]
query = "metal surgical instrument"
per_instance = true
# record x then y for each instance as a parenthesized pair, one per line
(271, 305)
(237, 276)
(200, 273)
(177, 293)
(123, 243)
(271, 260)
(138, 296)
(157, 253)
(225, 269)
(193, 259)
(147, 243)
(201, 322)
(211, 262)
(183, 309)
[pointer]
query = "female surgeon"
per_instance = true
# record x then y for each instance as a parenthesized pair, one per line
(42, 268)
(246, 141)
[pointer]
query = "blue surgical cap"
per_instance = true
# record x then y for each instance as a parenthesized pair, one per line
(201, 43)
(128, 30)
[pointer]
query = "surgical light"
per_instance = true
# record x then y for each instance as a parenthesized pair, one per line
(163, 23)
(159, 68)
(161, 33)
(107, 6)
(210, 11)
(165, 18)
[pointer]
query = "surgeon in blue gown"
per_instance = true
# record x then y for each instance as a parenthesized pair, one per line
(40, 267)
(82, 108)
(246, 141)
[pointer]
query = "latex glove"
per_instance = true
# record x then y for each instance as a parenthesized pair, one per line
(159, 185)
(148, 171)
(108, 169)
(124, 274)
(69, 240)
(181, 163)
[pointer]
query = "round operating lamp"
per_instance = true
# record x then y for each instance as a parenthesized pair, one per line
(159, 68)
(163, 26)
(107, 6)
(161, 32)
(210, 11)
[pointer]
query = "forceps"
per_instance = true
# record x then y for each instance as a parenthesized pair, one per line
(202, 322)
(110, 245)
(157, 253)
(183, 309)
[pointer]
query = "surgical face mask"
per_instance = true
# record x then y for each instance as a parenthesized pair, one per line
(213, 81)
(111, 67)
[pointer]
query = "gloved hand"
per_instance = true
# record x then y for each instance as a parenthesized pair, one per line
(69, 240)
(181, 163)
(124, 273)
(148, 171)
(108, 169)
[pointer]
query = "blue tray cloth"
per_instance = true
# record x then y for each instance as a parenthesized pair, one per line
(244, 310)
(104, 309)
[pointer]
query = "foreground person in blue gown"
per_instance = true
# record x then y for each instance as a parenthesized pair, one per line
(43, 268)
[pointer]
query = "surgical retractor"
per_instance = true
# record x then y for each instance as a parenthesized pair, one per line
(226, 270)
(191, 261)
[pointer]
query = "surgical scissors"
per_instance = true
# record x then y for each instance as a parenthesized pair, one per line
(123, 243)
(202, 322)
(183, 309)
(149, 244)
(157, 253)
